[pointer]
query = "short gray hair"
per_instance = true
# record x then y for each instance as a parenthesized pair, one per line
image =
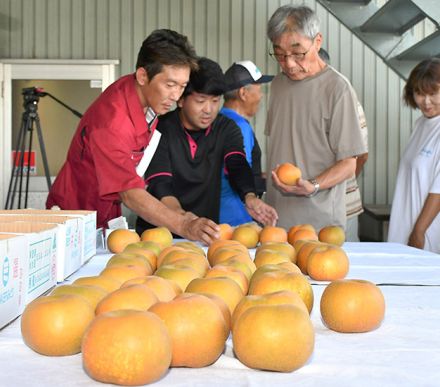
(290, 18)
(233, 94)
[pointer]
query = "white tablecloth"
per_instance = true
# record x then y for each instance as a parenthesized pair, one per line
(404, 351)
(392, 263)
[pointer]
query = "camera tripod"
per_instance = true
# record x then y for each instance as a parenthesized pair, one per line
(30, 118)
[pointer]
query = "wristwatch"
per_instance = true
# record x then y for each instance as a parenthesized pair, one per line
(315, 191)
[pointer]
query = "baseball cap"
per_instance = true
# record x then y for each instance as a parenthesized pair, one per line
(244, 73)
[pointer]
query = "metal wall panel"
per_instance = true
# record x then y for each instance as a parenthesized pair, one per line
(226, 31)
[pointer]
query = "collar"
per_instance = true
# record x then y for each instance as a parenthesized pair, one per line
(135, 108)
(150, 115)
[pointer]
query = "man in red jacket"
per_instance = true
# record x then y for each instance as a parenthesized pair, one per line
(105, 159)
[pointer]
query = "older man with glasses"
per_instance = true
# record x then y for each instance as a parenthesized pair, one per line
(312, 122)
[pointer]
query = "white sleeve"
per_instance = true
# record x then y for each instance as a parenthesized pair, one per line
(435, 185)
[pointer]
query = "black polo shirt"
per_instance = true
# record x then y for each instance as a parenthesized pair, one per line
(188, 165)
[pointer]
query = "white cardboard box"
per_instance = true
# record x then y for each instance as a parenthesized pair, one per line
(88, 220)
(14, 264)
(41, 239)
(69, 238)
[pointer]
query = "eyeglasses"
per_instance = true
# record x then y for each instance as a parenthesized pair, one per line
(297, 56)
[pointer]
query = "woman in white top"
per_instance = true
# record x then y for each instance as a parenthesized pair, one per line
(415, 218)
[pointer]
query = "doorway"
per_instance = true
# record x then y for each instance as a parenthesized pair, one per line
(76, 83)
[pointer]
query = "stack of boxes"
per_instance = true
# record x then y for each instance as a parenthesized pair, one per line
(39, 248)
(14, 266)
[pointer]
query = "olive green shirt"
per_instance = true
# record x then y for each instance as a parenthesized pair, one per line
(312, 123)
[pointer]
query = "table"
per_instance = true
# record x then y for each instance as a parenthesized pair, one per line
(404, 351)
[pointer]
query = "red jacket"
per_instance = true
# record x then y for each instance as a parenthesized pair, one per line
(101, 161)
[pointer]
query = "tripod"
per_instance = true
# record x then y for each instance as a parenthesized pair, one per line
(31, 96)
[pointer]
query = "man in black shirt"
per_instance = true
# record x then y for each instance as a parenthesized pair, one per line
(185, 172)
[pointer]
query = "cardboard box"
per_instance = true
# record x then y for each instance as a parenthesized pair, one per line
(69, 237)
(40, 274)
(88, 220)
(14, 263)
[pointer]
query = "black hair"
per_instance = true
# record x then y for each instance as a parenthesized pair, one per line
(165, 47)
(207, 79)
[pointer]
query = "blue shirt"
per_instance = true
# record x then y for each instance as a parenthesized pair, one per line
(232, 209)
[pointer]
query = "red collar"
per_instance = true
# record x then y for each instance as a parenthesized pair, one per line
(135, 107)
(192, 144)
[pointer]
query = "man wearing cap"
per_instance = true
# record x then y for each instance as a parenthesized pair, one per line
(242, 102)
(185, 172)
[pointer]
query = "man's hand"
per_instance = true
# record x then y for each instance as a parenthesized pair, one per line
(302, 187)
(260, 211)
(199, 229)
(337, 173)
(185, 224)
